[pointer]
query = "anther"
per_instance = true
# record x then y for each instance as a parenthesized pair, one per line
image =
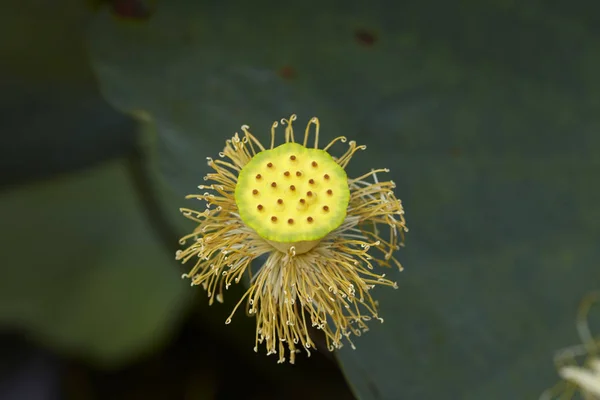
(274, 184)
(292, 187)
(326, 176)
(314, 164)
(325, 208)
(329, 192)
(309, 219)
(255, 192)
(292, 157)
(290, 221)
(279, 201)
(258, 176)
(273, 219)
(298, 173)
(287, 173)
(270, 165)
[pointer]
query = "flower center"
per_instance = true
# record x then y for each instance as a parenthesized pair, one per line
(292, 195)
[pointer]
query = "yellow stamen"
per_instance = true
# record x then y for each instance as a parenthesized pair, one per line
(318, 230)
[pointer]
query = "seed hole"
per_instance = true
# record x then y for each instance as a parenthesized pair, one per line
(329, 192)
(290, 221)
(311, 181)
(302, 201)
(292, 187)
(255, 192)
(260, 207)
(279, 201)
(274, 184)
(309, 193)
(298, 173)
(273, 219)
(309, 219)
(326, 176)
(287, 173)
(292, 157)
(270, 165)
(325, 208)
(258, 176)
(314, 164)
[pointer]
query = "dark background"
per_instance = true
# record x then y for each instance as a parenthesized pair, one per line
(488, 114)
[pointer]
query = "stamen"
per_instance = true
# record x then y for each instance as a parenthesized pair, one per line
(315, 121)
(275, 125)
(289, 132)
(339, 138)
(251, 137)
(373, 172)
(326, 286)
(347, 156)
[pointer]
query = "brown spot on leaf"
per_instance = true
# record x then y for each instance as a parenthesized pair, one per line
(130, 9)
(365, 37)
(287, 72)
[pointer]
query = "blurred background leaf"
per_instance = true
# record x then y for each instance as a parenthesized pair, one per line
(87, 273)
(488, 115)
(83, 269)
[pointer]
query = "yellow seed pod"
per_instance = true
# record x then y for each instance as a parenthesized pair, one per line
(292, 194)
